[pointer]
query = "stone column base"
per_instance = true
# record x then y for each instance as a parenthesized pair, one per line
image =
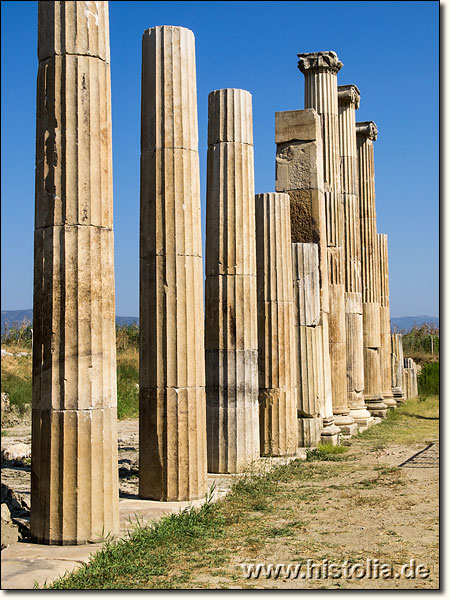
(309, 431)
(389, 401)
(376, 406)
(398, 396)
(346, 424)
(330, 434)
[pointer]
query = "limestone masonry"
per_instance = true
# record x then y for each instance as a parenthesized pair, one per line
(292, 346)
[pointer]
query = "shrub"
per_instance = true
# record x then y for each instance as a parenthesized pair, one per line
(428, 380)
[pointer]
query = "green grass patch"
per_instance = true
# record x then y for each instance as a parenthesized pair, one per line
(415, 422)
(144, 559)
(326, 452)
(127, 389)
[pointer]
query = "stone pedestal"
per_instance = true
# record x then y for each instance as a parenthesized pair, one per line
(74, 478)
(276, 334)
(366, 134)
(299, 172)
(385, 324)
(397, 367)
(231, 341)
(172, 417)
(348, 101)
(320, 70)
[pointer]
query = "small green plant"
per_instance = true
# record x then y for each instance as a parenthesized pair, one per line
(326, 452)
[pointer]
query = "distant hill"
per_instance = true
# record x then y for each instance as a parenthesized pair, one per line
(406, 323)
(18, 316)
(9, 317)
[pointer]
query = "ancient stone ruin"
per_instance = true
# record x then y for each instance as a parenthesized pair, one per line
(292, 346)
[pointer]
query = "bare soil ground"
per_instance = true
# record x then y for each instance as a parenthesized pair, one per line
(380, 503)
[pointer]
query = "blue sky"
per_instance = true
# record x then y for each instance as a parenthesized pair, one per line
(390, 50)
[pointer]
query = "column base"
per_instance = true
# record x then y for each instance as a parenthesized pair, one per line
(376, 406)
(330, 434)
(309, 431)
(398, 396)
(346, 424)
(389, 400)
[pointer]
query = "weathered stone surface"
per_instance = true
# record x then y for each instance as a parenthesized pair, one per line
(299, 172)
(231, 340)
(366, 133)
(385, 323)
(172, 420)
(74, 484)
(80, 28)
(397, 367)
(320, 70)
(348, 102)
(276, 334)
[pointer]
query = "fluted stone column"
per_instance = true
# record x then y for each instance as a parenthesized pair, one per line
(366, 134)
(348, 102)
(172, 407)
(385, 323)
(320, 70)
(299, 172)
(276, 334)
(74, 478)
(397, 367)
(305, 263)
(231, 341)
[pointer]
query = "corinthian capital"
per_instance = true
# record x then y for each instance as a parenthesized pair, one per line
(367, 129)
(319, 61)
(348, 94)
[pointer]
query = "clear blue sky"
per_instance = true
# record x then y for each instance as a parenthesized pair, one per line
(390, 50)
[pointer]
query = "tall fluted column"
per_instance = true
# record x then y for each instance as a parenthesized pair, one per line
(397, 367)
(348, 102)
(74, 478)
(366, 134)
(172, 417)
(305, 263)
(276, 335)
(231, 341)
(299, 172)
(385, 323)
(320, 70)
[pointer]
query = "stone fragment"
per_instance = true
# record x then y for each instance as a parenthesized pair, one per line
(348, 102)
(320, 70)
(231, 337)
(16, 452)
(299, 172)
(276, 335)
(366, 134)
(172, 419)
(74, 483)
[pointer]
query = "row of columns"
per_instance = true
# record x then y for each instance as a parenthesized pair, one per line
(296, 348)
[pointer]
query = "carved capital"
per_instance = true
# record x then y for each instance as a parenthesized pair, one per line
(319, 62)
(367, 129)
(349, 94)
